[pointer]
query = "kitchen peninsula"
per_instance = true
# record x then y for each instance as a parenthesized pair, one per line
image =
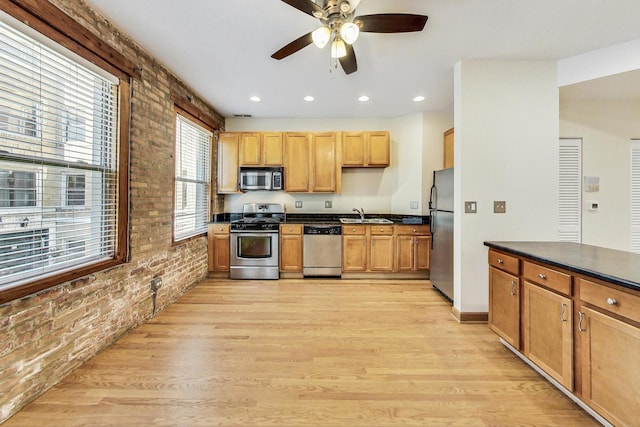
(573, 312)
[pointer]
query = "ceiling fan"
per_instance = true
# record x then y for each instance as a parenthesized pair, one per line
(340, 27)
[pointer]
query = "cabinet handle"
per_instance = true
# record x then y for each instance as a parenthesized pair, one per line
(612, 301)
(500, 261)
(580, 319)
(353, 230)
(542, 276)
(414, 230)
(513, 287)
(290, 229)
(563, 309)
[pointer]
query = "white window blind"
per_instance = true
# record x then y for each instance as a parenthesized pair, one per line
(193, 177)
(635, 195)
(58, 161)
(570, 191)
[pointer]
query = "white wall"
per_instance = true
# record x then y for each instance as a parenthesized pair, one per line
(606, 128)
(506, 137)
(377, 190)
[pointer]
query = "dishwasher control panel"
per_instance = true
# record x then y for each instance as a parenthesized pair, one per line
(323, 229)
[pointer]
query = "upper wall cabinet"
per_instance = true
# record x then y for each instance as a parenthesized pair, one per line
(312, 163)
(296, 162)
(228, 162)
(365, 149)
(447, 160)
(260, 149)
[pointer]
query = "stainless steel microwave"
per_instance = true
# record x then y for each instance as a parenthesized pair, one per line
(254, 178)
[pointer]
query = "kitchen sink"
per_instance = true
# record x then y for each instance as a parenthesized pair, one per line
(365, 221)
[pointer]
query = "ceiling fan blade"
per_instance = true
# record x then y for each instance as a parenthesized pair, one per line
(391, 22)
(306, 6)
(348, 62)
(293, 47)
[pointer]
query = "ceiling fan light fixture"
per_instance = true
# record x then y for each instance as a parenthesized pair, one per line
(349, 32)
(321, 36)
(338, 49)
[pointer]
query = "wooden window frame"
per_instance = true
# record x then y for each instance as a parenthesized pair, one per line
(53, 23)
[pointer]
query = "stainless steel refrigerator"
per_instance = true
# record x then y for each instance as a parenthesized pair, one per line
(441, 224)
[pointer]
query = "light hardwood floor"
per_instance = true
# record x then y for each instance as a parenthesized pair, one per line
(305, 353)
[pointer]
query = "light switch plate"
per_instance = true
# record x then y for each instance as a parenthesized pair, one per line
(327, 203)
(499, 206)
(413, 205)
(298, 203)
(470, 207)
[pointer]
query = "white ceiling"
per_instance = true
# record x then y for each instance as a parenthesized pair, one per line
(222, 49)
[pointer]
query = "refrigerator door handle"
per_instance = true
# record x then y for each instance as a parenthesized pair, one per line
(433, 193)
(432, 225)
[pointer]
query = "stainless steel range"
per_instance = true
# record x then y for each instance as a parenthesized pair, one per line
(255, 241)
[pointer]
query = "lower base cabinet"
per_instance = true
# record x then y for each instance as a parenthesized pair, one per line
(219, 245)
(291, 246)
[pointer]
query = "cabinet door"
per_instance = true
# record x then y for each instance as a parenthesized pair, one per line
(354, 253)
(610, 372)
(272, 149)
(323, 163)
(422, 252)
(378, 149)
(353, 148)
(290, 253)
(296, 174)
(404, 253)
(250, 149)
(447, 160)
(228, 162)
(548, 339)
(504, 306)
(381, 253)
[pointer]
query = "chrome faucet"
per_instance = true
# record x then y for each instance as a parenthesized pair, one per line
(360, 212)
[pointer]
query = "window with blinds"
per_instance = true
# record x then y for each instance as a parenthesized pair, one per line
(635, 195)
(58, 161)
(192, 178)
(570, 191)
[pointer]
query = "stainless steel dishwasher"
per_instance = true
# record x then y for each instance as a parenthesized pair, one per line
(322, 250)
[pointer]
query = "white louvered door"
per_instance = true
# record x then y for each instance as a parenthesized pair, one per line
(570, 190)
(635, 195)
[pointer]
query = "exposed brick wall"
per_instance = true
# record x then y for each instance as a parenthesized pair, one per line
(43, 337)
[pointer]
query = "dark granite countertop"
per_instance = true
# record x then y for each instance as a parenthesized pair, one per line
(309, 218)
(618, 267)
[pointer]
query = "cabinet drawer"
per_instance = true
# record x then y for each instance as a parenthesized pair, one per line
(504, 262)
(548, 277)
(219, 228)
(413, 230)
(290, 228)
(377, 230)
(610, 299)
(354, 229)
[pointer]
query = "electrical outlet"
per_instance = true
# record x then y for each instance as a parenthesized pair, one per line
(327, 204)
(470, 207)
(499, 206)
(298, 203)
(413, 204)
(156, 283)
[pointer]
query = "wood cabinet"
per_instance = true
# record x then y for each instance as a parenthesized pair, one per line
(261, 149)
(381, 248)
(365, 149)
(354, 248)
(413, 247)
(227, 162)
(610, 344)
(296, 162)
(504, 297)
(447, 161)
(548, 333)
(367, 248)
(291, 246)
(324, 163)
(583, 332)
(218, 238)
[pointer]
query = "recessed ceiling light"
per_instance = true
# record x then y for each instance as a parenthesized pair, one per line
(255, 98)
(418, 98)
(309, 98)
(363, 98)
